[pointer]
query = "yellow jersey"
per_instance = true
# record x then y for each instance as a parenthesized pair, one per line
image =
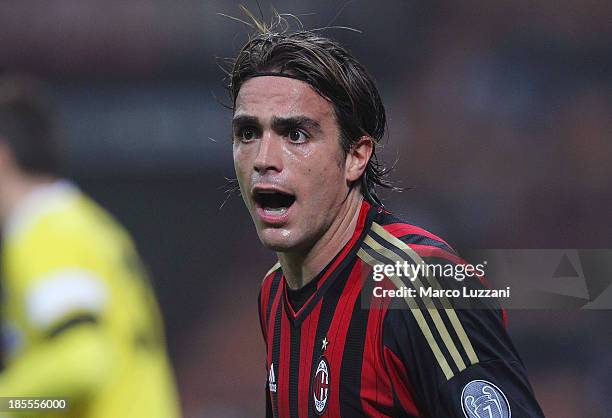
(79, 318)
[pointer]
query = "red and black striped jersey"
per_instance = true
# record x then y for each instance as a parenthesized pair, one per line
(350, 352)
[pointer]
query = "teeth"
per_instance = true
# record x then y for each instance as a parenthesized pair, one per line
(277, 211)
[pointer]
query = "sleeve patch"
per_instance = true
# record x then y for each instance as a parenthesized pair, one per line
(66, 291)
(480, 398)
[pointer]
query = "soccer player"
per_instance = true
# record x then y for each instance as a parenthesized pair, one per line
(79, 320)
(307, 120)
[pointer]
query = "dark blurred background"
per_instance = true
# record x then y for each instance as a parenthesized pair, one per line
(499, 120)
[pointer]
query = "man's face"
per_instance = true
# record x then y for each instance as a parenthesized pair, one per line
(288, 160)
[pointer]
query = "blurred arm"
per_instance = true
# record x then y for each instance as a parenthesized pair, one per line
(68, 364)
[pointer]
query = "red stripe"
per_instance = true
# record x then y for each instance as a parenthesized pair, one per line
(337, 334)
(365, 206)
(270, 341)
(375, 384)
(266, 286)
(309, 330)
(401, 384)
(401, 229)
(283, 367)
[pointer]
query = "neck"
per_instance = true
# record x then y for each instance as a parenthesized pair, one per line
(300, 268)
(15, 188)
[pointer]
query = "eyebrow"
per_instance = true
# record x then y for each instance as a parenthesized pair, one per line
(278, 124)
(282, 124)
(244, 120)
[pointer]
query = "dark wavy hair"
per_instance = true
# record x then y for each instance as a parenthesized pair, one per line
(28, 124)
(333, 73)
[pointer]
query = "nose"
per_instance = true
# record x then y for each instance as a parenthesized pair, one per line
(269, 156)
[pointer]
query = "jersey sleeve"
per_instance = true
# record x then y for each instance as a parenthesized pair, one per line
(58, 281)
(70, 366)
(57, 297)
(453, 358)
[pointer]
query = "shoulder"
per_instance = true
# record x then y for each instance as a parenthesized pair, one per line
(426, 276)
(271, 273)
(407, 241)
(72, 217)
(45, 244)
(267, 292)
(269, 285)
(72, 233)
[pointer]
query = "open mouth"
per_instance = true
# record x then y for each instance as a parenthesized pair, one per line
(273, 202)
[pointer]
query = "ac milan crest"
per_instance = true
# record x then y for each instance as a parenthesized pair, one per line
(321, 386)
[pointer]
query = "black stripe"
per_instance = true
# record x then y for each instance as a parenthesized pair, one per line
(403, 336)
(269, 413)
(261, 324)
(276, 356)
(273, 288)
(455, 339)
(328, 308)
(72, 322)
(418, 239)
(447, 283)
(394, 248)
(352, 358)
(294, 370)
(398, 409)
(385, 218)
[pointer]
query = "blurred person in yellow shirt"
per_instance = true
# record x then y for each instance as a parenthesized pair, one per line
(79, 318)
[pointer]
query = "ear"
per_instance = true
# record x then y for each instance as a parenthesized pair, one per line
(358, 157)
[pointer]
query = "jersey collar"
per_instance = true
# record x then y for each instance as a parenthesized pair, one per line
(342, 260)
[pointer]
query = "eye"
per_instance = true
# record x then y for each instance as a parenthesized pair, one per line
(297, 136)
(246, 134)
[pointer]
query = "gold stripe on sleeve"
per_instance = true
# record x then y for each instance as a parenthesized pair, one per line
(449, 310)
(418, 316)
(430, 307)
